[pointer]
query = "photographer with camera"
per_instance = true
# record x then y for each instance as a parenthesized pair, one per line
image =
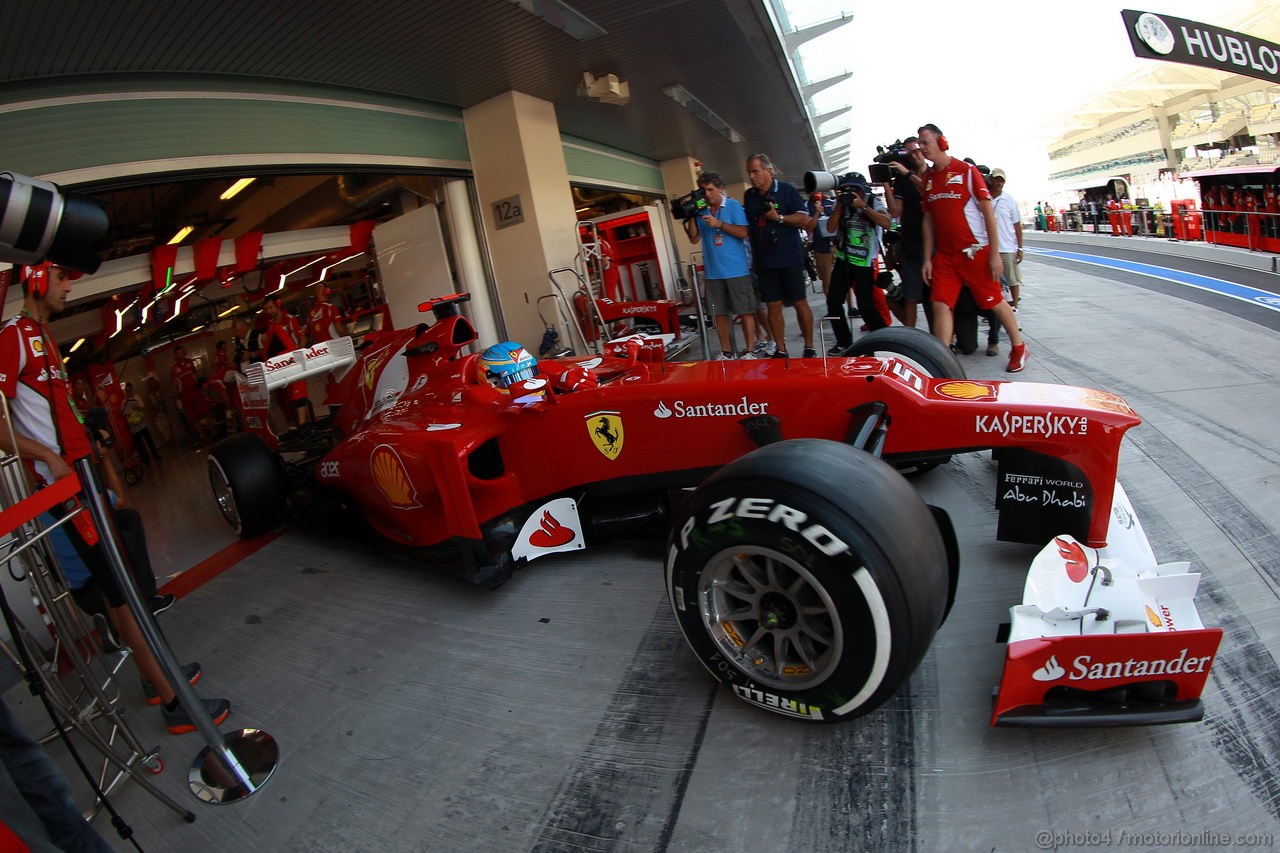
(903, 176)
(720, 226)
(857, 223)
(775, 215)
(961, 244)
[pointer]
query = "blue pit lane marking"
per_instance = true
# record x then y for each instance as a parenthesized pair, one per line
(1243, 292)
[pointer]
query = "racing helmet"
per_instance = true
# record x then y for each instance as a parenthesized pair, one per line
(506, 363)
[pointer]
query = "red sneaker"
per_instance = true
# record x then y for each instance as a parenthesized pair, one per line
(1017, 359)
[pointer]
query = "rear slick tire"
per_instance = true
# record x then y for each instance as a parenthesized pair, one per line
(248, 484)
(809, 577)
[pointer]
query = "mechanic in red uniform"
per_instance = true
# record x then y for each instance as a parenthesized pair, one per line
(1252, 221)
(184, 376)
(324, 322)
(960, 243)
(284, 334)
(49, 433)
(1271, 203)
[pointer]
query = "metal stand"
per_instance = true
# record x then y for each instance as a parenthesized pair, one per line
(569, 317)
(231, 767)
(695, 282)
(93, 709)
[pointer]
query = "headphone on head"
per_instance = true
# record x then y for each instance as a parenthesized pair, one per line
(36, 279)
(937, 131)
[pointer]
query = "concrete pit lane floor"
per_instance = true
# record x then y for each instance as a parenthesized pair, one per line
(564, 712)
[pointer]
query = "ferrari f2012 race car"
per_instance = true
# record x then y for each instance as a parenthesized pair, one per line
(803, 569)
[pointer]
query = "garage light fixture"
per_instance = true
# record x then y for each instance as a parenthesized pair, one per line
(325, 271)
(563, 17)
(233, 309)
(183, 297)
(234, 189)
(685, 98)
(76, 345)
(181, 235)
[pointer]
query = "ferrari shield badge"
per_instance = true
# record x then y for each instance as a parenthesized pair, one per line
(605, 429)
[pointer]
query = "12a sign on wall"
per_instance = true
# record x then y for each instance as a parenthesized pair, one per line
(507, 212)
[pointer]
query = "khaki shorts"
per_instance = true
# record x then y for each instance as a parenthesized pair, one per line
(1012, 269)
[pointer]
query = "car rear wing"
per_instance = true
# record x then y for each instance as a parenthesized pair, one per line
(335, 357)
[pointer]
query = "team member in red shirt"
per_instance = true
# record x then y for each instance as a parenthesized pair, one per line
(1271, 203)
(284, 334)
(185, 377)
(49, 433)
(324, 322)
(960, 243)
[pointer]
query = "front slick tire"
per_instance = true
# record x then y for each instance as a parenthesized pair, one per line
(809, 577)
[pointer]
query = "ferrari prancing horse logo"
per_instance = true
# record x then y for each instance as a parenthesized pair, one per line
(605, 430)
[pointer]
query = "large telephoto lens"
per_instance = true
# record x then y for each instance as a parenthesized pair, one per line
(820, 181)
(38, 223)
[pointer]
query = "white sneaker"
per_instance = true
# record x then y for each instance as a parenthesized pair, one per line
(723, 357)
(759, 347)
(743, 356)
(770, 348)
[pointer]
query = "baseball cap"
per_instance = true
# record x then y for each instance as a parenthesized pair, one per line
(998, 173)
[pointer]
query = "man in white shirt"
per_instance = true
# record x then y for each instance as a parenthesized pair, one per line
(1009, 225)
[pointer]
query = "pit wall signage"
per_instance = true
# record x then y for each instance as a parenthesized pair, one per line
(1178, 40)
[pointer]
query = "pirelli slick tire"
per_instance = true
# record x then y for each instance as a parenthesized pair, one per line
(809, 577)
(248, 484)
(926, 355)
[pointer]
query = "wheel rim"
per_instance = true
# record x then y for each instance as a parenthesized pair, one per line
(770, 617)
(223, 494)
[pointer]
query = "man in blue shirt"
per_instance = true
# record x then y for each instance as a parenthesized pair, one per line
(775, 215)
(722, 231)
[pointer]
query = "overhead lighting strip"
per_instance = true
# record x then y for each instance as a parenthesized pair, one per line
(686, 99)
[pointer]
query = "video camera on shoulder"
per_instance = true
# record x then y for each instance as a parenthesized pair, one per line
(895, 152)
(692, 205)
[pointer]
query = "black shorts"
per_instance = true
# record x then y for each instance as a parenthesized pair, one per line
(786, 284)
(910, 263)
(133, 542)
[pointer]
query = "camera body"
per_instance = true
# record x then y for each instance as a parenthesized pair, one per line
(895, 152)
(691, 205)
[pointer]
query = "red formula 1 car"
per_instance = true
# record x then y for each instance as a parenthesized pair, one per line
(803, 569)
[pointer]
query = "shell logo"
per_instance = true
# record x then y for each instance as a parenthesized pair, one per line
(967, 390)
(392, 478)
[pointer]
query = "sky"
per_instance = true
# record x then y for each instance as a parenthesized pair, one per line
(998, 81)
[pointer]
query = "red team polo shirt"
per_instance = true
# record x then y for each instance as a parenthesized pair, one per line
(952, 196)
(323, 322)
(32, 378)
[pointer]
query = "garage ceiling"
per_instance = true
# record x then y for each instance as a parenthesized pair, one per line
(725, 52)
